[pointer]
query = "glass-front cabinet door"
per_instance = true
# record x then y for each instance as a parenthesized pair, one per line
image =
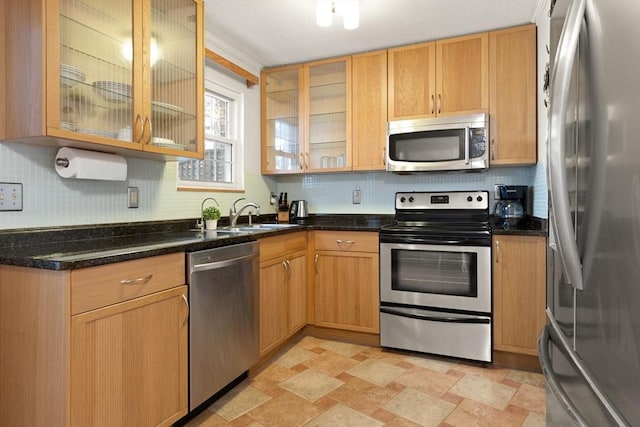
(174, 59)
(130, 74)
(96, 71)
(328, 104)
(281, 118)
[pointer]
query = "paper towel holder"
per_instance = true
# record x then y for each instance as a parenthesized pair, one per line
(62, 162)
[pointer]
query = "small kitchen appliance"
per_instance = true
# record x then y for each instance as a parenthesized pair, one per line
(298, 212)
(513, 204)
(435, 275)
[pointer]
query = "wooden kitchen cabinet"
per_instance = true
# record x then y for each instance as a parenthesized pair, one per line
(369, 104)
(439, 78)
(347, 280)
(283, 288)
(513, 111)
(306, 117)
(121, 359)
(83, 74)
(129, 362)
(519, 292)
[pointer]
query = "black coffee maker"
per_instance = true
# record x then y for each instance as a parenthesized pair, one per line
(513, 204)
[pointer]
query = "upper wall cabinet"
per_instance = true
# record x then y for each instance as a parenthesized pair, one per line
(123, 74)
(282, 127)
(369, 92)
(513, 124)
(439, 78)
(306, 117)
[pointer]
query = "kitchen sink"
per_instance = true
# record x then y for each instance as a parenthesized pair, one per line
(255, 228)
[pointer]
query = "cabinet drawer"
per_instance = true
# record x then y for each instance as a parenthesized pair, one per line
(347, 241)
(277, 246)
(100, 286)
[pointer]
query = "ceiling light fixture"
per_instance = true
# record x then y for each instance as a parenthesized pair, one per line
(348, 9)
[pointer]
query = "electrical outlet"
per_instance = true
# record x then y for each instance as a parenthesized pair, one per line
(10, 196)
(356, 197)
(132, 193)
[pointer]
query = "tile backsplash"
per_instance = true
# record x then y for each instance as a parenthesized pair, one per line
(50, 200)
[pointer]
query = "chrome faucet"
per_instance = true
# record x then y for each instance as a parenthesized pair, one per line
(200, 224)
(234, 214)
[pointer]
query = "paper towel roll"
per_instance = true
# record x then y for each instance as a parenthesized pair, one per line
(84, 164)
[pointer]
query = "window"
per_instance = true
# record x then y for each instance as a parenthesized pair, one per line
(221, 167)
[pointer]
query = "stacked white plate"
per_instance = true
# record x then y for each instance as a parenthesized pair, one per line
(68, 126)
(71, 76)
(98, 132)
(112, 91)
(166, 143)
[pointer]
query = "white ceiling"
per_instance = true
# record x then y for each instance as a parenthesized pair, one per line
(277, 32)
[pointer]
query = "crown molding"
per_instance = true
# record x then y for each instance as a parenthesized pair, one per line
(540, 10)
(223, 48)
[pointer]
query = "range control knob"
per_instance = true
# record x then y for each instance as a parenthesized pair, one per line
(402, 199)
(469, 199)
(411, 199)
(479, 198)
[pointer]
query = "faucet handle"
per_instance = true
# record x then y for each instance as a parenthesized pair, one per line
(233, 209)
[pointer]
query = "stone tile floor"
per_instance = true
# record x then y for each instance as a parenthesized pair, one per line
(319, 382)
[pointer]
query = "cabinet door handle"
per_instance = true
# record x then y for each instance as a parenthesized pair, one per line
(315, 263)
(148, 138)
(493, 148)
(432, 104)
(497, 251)
(301, 161)
(384, 156)
(307, 163)
(137, 281)
(288, 270)
(139, 122)
(439, 103)
(186, 303)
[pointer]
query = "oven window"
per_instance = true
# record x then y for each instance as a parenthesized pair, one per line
(435, 272)
(431, 146)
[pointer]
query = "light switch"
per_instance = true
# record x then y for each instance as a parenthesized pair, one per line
(132, 193)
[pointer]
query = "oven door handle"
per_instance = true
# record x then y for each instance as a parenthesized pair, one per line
(427, 241)
(434, 315)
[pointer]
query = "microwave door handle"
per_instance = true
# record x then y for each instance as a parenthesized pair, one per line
(466, 145)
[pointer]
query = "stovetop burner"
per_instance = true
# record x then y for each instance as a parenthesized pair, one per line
(459, 217)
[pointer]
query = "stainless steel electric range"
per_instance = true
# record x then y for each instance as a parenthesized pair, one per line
(435, 275)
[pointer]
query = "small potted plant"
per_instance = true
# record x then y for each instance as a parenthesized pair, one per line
(211, 216)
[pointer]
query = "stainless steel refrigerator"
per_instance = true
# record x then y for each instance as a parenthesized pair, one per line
(590, 349)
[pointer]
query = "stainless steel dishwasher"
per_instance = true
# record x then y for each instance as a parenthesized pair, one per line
(223, 324)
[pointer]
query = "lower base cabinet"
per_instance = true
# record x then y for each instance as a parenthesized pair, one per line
(129, 362)
(100, 346)
(519, 292)
(347, 294)
(283, 288)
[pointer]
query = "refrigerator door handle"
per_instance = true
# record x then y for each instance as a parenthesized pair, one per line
(558, 188)
(552, 331)
(552, 382)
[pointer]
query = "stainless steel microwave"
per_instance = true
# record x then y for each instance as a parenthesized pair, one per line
(438, 144)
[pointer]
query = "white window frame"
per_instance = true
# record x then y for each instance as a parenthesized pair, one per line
(236, 127)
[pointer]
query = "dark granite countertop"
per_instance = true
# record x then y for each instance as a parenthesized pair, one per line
(69, 248)
(531, 226)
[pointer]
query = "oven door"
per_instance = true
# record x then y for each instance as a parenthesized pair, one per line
(438, 276)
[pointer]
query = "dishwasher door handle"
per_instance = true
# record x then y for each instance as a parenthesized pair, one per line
(220, 264)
